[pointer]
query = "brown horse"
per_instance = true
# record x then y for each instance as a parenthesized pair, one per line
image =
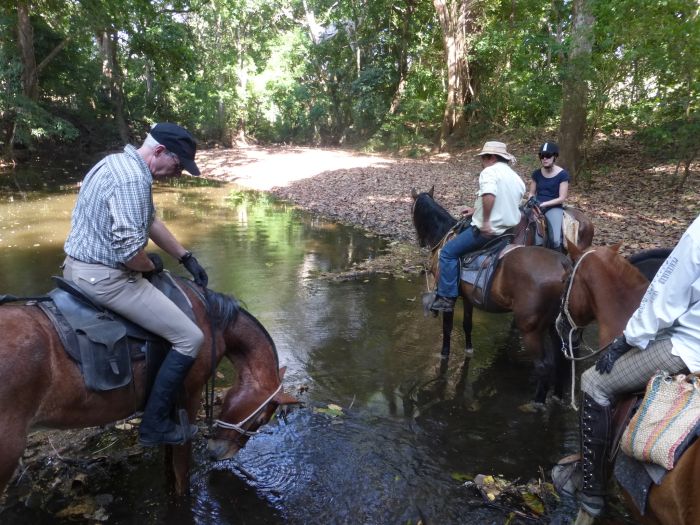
(608, 288)
(528, 282)
(41, 387)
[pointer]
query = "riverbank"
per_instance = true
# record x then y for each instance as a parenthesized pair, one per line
(630, 199)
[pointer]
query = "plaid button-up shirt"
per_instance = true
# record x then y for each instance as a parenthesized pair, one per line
(114, 211)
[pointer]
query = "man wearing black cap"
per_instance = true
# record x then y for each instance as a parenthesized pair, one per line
(113, 220)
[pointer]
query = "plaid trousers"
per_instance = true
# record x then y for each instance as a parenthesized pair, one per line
(631, 372)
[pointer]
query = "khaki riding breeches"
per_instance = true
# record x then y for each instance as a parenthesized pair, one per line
(135, 298)
(631, 372)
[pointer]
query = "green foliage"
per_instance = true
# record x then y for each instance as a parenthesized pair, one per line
(225, 67)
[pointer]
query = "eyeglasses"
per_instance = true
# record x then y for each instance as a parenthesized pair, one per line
(546, 155)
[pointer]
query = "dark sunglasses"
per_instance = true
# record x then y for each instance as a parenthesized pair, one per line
(546, 155)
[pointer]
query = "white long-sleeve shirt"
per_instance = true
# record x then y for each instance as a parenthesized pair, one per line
(671, 305)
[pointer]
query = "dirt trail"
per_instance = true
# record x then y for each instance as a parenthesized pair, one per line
(634, 205)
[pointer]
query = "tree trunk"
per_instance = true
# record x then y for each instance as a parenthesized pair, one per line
(455, 18)
(574, 112)
(113, 77)
(25, 40)
(402, 58)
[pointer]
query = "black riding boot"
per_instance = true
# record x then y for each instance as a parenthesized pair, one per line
(596, 422)
(156, 426)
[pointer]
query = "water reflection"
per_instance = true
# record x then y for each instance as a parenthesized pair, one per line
(411, 422)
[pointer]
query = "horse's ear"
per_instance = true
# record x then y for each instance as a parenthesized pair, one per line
(573, 250)
(432, 190)
(414, 193)
(285, 399)
(281, 373)
(616, 247)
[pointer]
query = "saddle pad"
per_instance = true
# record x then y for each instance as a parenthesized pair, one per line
(97, 339)
(569, 227)
(479, 268)
(666, 420)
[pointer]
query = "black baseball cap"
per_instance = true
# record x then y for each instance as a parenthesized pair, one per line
(179, 141)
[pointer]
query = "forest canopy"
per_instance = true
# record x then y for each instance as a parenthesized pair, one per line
(398, 75)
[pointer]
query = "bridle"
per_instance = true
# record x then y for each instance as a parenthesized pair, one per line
(238, 427)
(564, 320)
(209, 397)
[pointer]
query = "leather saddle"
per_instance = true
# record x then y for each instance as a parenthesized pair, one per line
(479, 267)
(103, 343)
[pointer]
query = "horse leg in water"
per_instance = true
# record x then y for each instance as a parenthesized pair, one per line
(561, 367)
(467, 325)
(14, 440)
(177, 467)
(178, 458)
(532, 340)
(447, 322)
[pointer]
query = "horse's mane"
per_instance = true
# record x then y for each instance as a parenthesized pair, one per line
(431, 220)
(225, 309)
(624, 270)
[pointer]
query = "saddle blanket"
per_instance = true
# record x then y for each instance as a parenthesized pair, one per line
(637, 477)
(570, 227)
(666, 423)
(102, 343)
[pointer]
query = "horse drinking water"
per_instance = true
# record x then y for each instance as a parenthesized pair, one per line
(528, 282)
(41, 387)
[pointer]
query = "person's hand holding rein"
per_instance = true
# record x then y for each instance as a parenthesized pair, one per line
(190, 262)
(615, 350)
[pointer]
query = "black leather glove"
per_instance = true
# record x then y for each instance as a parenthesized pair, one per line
(157, 262)
(615, 350)
(200, 275)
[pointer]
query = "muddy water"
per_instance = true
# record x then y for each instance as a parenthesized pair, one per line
(410, 428)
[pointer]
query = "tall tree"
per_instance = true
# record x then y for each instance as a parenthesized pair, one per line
(111, 71)
(457, 21)
(572, 127)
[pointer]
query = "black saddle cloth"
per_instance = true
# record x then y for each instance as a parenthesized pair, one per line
(102, 342)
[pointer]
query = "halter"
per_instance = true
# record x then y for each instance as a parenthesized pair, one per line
(238, 427)
(568, 351)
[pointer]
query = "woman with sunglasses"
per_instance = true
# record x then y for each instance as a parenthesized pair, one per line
(550, 186)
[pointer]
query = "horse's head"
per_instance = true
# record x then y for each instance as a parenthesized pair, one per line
(431, 220)
(603, 286)
(243, 412)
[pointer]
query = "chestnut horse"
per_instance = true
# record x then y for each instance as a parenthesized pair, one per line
(41, 387)
(528, 282)
(608, 288)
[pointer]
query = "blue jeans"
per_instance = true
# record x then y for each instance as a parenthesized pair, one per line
(467, 241)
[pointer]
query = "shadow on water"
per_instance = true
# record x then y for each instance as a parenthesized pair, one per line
(408, 425)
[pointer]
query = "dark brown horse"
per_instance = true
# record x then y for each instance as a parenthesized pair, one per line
(528, 282)
(41, 387)
(608, 288)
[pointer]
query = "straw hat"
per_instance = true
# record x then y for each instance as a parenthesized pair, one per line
(496, 148)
